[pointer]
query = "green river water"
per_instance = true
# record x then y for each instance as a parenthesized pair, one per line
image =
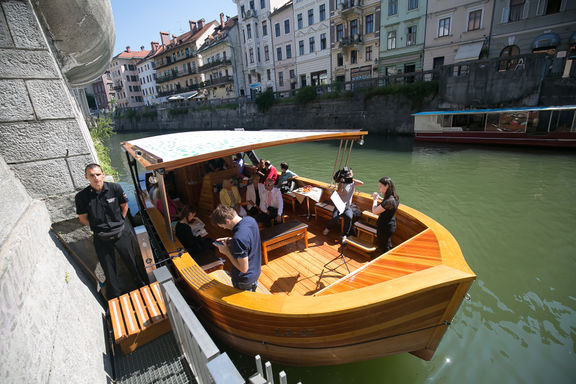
(513, 212)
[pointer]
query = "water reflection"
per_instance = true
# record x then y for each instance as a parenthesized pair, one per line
(513, 212)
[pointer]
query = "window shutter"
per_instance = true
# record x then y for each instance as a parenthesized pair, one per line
(505, 15)
(541, 7)
(563, 5)
(525, 9)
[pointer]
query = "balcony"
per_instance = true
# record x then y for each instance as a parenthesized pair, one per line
(170, 61)
(173, 75)
(349, 8)
(213, 65)
(217, 81)
(193, 87)
(249, 13)
(351, 41)
(117, 86)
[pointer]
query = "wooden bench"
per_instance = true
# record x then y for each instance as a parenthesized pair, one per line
(223, 277)
(282, 234)
(138, 317)
(325, 210)
(366, 239)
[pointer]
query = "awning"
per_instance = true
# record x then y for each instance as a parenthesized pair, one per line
(469, 51)
(175, 98)
(546, 40)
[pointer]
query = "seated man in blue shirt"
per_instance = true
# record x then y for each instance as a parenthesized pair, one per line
(243, 249)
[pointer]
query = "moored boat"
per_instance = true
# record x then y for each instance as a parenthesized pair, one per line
(535, 126)
(318, 303)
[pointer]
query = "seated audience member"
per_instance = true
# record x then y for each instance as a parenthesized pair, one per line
(216, 165)
(173, 206)
(271, 203)
(230, 197)
(253, 195)
(286, 179)
(346, 186)
(239, 163)
(261, 170)
(271, 172)
(191, 233)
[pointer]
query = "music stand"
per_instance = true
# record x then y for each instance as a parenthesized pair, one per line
(340, 256)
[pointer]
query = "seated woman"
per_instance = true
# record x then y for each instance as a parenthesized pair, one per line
(230, 196)
(253, 195)
(191, 233)
(173, 206)
(386, 225)
(286, 181)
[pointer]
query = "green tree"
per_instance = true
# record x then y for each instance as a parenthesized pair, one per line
(100, 130)
(265, 100)
(306, 95)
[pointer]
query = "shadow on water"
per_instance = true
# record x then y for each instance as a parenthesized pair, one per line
(513, 212)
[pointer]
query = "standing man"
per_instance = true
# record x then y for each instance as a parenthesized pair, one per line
(103, 206)
(243, 249)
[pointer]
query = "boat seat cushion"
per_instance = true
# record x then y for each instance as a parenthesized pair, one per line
(281, 229)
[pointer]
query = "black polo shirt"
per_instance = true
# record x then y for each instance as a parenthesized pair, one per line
(103, 209)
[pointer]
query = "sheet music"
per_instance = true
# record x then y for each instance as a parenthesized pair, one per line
(338, 203)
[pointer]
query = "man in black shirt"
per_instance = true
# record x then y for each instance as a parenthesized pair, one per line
(103, 206)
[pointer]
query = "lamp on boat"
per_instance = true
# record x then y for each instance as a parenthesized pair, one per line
(361, 142)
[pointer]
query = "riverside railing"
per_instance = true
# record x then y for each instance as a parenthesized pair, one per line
(206, 362)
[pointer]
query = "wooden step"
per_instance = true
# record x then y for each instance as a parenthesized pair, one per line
(360, 244)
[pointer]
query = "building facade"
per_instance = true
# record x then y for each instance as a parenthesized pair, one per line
(125, 78)
(176, 61)
(221, 69)
(104, 93)
(402, 37)
(283, 50)
(256, 40)
(522, 26)
(456, 31)
(355, 31)
(147, 75)
(312, 39)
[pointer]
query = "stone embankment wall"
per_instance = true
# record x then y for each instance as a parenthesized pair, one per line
(379, 115)
(51, 320)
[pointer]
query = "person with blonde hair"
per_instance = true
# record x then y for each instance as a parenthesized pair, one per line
(230, 196)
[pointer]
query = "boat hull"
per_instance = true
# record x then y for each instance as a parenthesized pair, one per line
(567, 140)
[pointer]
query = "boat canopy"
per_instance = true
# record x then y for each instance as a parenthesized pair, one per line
(185, 148)
(498, 110)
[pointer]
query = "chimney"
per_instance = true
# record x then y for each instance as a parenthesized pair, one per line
(222, 19)
(154, 46)
(200, 23)
(141, 47)
(192, 25)
(128, 48)
(165, 38)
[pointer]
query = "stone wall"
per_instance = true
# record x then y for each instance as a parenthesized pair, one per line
(43, 136)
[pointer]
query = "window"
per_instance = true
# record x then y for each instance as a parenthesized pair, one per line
(515, 10)
(339, 32)
(262, 4)
(277, 29)
(310, 16)
(264, 28)
(258, 53)
(353, 57)
(289, 51)
(281, 79)
(369, 24)
(292, 74)
(411, 35)
(266, 53)
(412, 4)
(251, 52)
(299, 20)
(249, 31)
(322, 12)
(251, 4)
(368, 55)
(242, 10)
(444, 26)
(340, 60)
(392, 7)
(553, 6)
(311, 43)
(322, 41)
(286, 26)
(353, 28)
(279, 53)
(301, 47)
(392, 40)
(475, 20)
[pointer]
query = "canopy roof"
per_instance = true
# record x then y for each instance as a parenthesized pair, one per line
(181, 149)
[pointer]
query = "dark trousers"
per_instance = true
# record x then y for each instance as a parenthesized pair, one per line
(105, 252)
(245, 286)
(267, 218)
(347, 214)
(384, 233)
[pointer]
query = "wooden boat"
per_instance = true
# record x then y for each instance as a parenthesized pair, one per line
(537, 126)
(309, 308)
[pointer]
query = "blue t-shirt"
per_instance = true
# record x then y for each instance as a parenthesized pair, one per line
(283, 177)
(246, 243)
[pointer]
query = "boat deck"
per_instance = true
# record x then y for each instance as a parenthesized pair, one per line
(293, 270)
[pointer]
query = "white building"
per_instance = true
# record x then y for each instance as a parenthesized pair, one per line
(256, 42)
(147, 75)
(284, 51)
(312, 39)
(125, 77)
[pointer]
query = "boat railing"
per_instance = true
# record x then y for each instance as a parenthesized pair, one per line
(206, 361)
